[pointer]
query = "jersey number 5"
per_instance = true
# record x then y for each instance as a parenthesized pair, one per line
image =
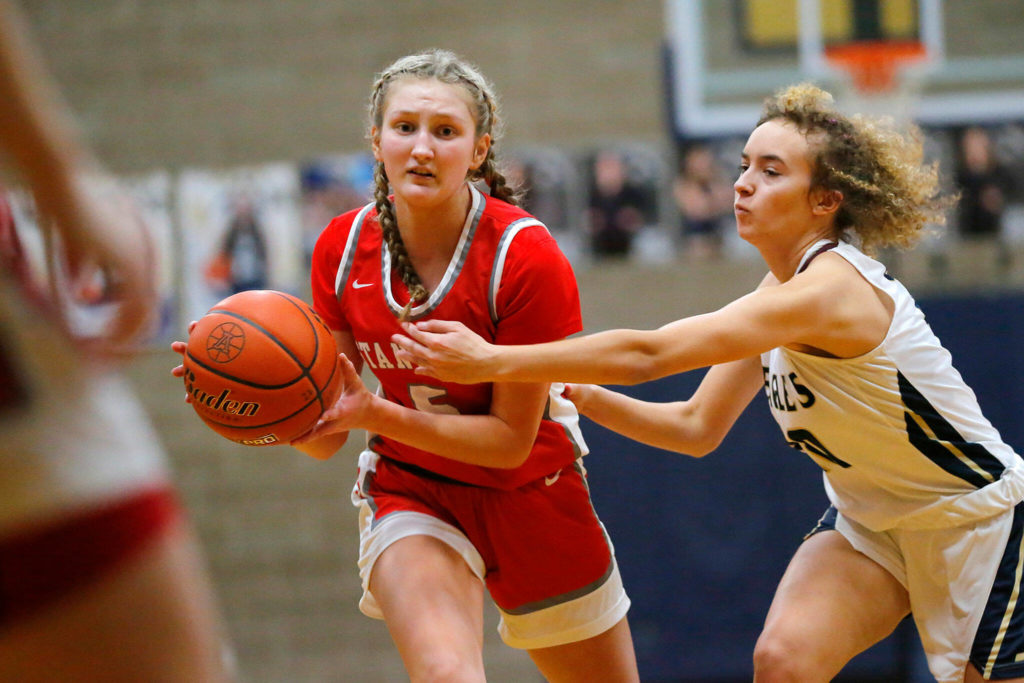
(431, 400)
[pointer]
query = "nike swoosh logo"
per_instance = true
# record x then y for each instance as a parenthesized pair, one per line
(553, 478)
(359, 285)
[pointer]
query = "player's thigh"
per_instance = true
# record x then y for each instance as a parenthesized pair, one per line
(429, 596)
(833, 601)
(607, 656)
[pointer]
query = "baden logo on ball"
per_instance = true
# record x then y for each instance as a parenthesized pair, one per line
(261, 367)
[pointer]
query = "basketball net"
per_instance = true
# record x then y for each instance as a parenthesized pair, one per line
(878, 78)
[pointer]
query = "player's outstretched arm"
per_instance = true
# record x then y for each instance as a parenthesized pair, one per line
(773, 315)
(693, 427)
(450, 351)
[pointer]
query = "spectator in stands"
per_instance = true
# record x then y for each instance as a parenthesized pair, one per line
(615, 211)
(984, 186)
(703, 195)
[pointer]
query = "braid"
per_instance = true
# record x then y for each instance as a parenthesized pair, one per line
(501, 188)
(389, 230)
(445, 67)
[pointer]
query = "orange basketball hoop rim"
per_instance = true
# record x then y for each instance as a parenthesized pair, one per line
(873, 64)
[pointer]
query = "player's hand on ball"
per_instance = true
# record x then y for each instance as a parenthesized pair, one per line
(447, 350)
(347, 412)
(179, 347)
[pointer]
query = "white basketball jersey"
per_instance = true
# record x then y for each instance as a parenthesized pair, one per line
(899, 434)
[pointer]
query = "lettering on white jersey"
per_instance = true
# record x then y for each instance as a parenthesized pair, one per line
(785, 392)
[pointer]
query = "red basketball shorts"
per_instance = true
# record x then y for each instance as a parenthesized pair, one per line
(541, 550)
(47, 562)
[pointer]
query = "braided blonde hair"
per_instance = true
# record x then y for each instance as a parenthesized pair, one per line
(889, 194)
(445, 67)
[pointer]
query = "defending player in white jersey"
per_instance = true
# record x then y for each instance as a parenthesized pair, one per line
(927, 513)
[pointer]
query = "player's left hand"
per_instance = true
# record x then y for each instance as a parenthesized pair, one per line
(447, 350)
(179, 347)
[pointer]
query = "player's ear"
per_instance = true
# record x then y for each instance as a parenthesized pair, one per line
(824, 201)
(483, 145)
(375, 142)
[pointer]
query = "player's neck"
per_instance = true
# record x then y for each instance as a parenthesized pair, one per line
(431, 235)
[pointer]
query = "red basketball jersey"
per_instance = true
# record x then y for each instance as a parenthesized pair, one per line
(507, 281)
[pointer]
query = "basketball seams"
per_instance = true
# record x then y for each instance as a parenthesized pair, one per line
(228, 398)
(215, 370)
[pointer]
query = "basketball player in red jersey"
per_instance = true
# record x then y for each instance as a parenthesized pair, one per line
(100, 578)
(462, 486)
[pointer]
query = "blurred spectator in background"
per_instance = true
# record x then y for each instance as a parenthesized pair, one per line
(703, 194)
(984, 186)
(615, 212)
(242, 258)
(330, 187)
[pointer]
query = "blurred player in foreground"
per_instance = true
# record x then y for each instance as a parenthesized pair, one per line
(100, 578)
(462, 487)
(926, 514)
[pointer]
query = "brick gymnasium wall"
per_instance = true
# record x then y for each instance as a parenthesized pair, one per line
(226, 82)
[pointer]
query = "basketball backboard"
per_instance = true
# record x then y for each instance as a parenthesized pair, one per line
(962, 60)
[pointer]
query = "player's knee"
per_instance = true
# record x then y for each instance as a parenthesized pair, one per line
(779, 660)
(446, 667)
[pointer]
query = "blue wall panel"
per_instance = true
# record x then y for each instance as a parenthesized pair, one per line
(703, 543)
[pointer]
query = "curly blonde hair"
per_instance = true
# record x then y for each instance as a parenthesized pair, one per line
(889, 194)
(446, 67)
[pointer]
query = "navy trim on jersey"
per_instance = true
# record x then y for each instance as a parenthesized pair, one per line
(826, 523)
(946, 447)
(828, 246)
(1000, 636)
(510, 233)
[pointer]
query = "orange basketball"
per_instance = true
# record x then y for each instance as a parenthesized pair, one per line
(261, 367)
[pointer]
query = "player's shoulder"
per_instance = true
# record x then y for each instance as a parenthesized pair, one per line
(346, 221)
(514, 223)
(338, 228)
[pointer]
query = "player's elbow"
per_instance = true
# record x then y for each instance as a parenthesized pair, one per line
(513, 452)
(701, 446)
(697, 436)
(323, 448)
